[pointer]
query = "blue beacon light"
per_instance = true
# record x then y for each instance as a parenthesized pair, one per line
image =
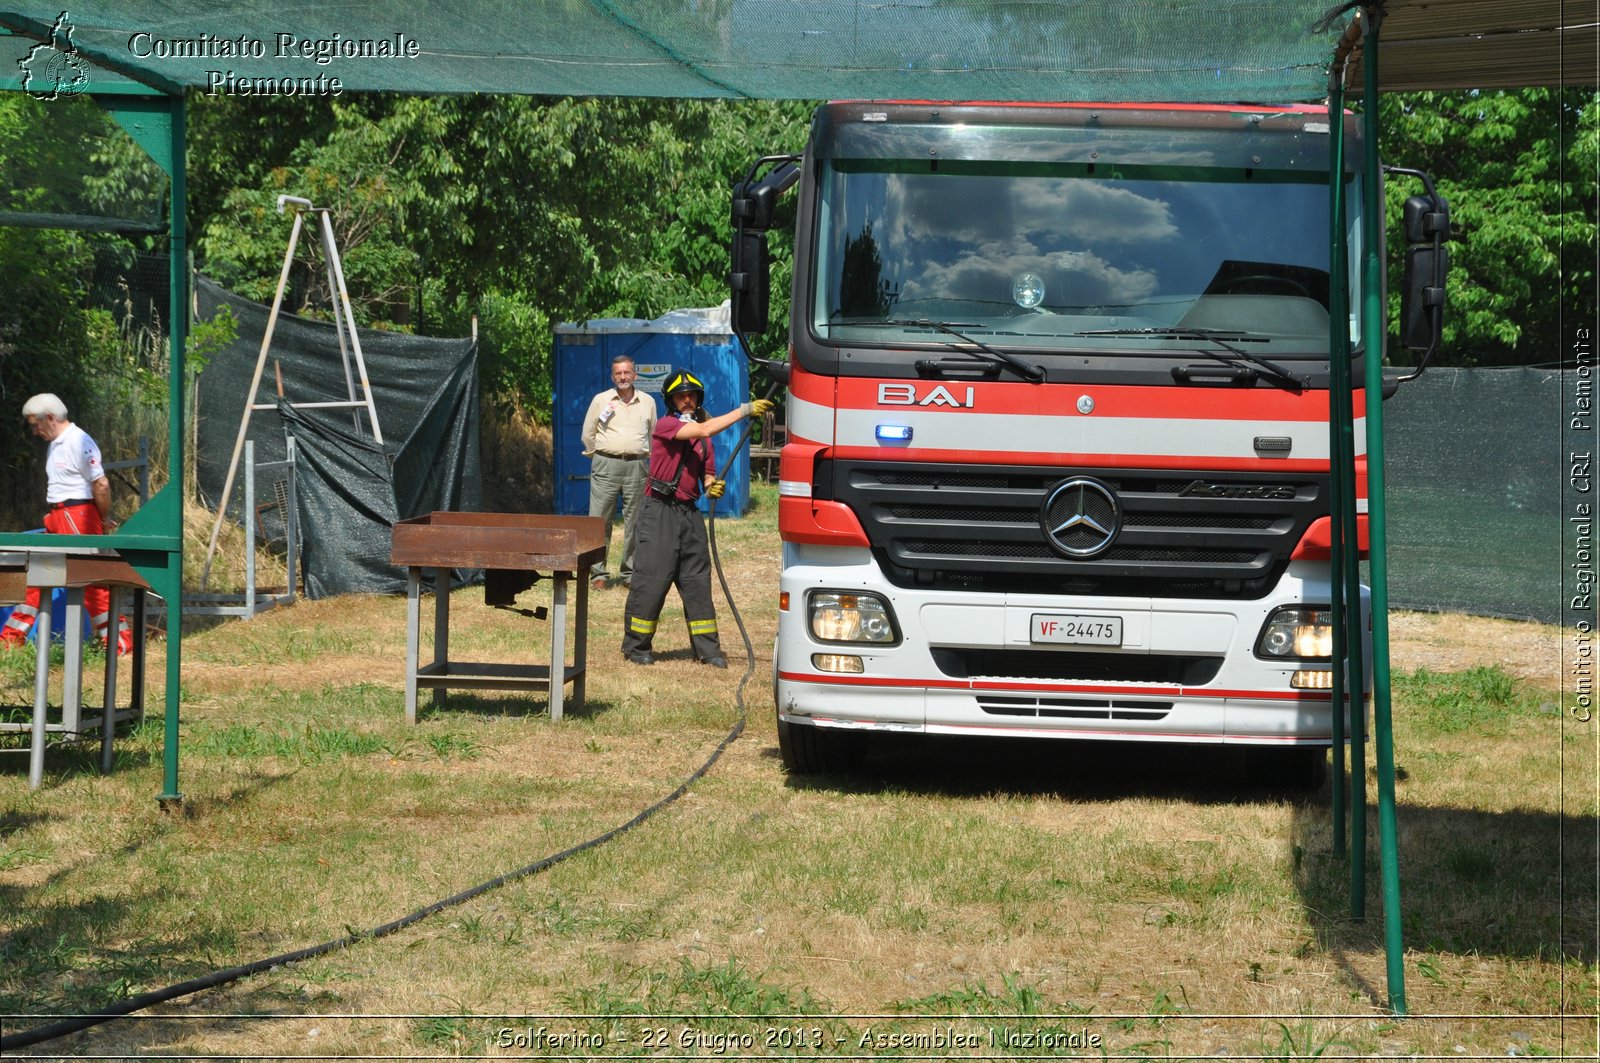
(894, 435)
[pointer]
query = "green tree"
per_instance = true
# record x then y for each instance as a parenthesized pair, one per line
(525, 211)
(63, 160)
(1518, 168)
(355, 163)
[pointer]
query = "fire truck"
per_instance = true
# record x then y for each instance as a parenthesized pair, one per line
(1057, 462)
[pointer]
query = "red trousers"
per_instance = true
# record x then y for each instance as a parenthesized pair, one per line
(81, 519)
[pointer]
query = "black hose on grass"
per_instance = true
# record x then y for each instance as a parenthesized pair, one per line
(77, 1023)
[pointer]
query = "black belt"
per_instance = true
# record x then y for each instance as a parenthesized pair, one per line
(622, 457)
(672, 499)
(72, 502)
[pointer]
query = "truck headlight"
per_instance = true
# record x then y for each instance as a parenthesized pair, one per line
(841, 617)
(1297, 633)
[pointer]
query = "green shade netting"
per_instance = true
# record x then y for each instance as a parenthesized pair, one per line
(1111, 50)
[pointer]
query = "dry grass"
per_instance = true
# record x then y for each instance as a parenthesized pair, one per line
(1455, 642)
(1146, 898)
(517, 455)
(227, 570)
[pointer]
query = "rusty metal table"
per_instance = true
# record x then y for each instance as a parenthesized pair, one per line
(47, 568)
(512, 549)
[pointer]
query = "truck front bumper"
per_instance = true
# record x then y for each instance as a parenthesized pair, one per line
(1184, 670)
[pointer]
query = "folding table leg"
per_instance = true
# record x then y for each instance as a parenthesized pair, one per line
(558, 644)
(580, 639)
(72, 671)
(41, 693)
(413, 637)
(108, 714)
(441, 627)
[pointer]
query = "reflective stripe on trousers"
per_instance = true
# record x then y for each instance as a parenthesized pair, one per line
(670, 549)
(19, 623)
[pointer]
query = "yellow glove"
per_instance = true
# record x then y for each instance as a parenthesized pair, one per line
(715, 488)
(760, 407)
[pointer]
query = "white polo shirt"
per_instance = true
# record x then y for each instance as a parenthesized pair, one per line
(71, 464)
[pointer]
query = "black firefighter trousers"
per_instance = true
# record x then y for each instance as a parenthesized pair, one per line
(670, 548)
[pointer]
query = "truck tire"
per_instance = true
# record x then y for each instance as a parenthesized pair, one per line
(809, 750)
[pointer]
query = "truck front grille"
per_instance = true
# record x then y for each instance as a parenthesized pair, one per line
(934, 548)
(1225, 535)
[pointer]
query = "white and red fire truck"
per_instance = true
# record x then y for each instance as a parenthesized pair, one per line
(1058, 425)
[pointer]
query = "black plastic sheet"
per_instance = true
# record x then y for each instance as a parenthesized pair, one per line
(350, 489)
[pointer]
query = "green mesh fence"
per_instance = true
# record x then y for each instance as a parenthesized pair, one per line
(1476, 475)
(773, 49)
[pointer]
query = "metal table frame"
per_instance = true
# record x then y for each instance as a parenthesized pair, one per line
(502, 544)
(48, 568)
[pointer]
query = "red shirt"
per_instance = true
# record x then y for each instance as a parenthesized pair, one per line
(666, 450)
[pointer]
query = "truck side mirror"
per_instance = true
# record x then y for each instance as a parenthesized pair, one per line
(1422, 291)
(750, 275)
(754, 201)
(750, 281)
(1422, 296)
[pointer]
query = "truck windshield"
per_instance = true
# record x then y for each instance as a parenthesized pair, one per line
(1041, 258)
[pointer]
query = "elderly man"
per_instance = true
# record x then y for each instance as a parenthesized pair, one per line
(616, 437)
(79, 497)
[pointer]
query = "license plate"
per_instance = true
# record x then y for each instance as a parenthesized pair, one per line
(1077, 630)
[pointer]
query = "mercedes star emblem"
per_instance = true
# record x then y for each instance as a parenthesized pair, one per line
(1080, 517)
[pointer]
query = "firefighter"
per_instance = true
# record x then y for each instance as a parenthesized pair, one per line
(79, 497)
(670, 543)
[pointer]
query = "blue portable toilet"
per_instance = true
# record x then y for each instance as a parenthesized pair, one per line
(699, 340)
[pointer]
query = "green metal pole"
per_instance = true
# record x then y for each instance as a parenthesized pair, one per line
(1375, 327)
(1352, 703)
(1372, 333)
(151, 540)
(1341, 470)
(177, 330)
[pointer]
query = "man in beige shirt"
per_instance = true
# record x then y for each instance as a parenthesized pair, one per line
(616, 438)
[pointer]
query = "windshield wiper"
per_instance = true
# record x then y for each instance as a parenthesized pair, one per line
(1027, 370)
(1211, 336)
